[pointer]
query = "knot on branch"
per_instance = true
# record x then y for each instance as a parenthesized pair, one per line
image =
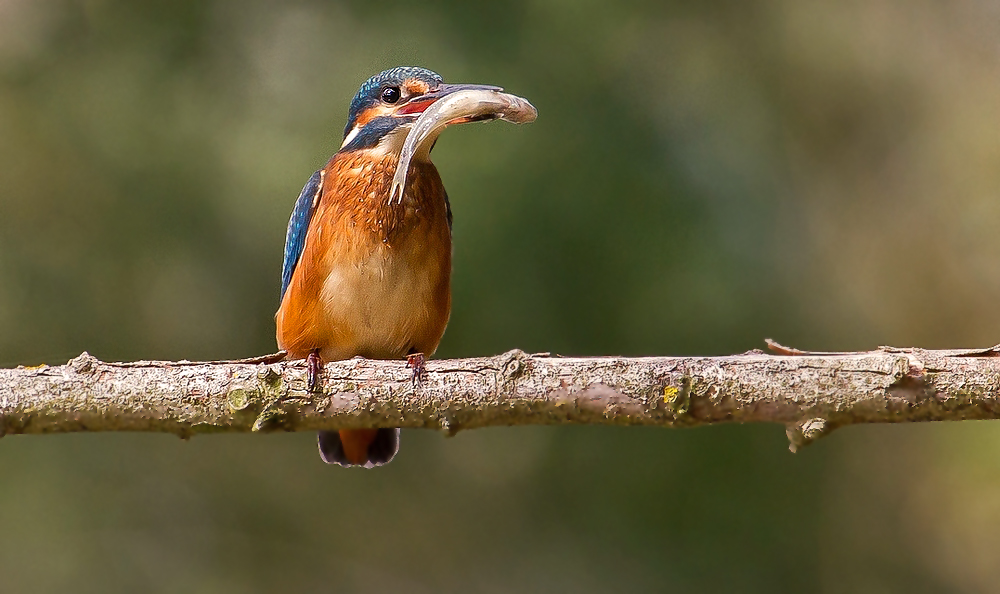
(271, 418)
(238, 399)
(515, 363)
(805, 432)
(84, 363)
(448, 427)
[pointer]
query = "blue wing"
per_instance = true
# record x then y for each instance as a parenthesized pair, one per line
(295, 237)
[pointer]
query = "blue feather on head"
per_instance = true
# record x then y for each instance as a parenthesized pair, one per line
(371, 90)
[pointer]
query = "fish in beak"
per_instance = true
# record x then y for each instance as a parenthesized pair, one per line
(453, 104)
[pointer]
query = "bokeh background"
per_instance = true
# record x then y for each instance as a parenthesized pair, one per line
(701, 175)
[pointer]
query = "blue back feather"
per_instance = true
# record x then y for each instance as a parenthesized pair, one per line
(295, 237)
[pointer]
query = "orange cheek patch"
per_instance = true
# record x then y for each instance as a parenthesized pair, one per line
(370, 114)
(415, 87)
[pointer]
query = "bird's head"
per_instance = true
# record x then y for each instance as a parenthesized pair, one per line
(388, 103)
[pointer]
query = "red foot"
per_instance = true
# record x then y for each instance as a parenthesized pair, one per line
(417, 361)
(314, 367)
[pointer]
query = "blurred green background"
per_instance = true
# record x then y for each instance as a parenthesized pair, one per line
(701, 175)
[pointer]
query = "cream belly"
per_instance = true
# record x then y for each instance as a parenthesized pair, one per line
(385, 306)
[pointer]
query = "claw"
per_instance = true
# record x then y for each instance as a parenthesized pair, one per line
(314, 367)
(417, 362)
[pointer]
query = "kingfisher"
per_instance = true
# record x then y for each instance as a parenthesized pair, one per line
(366, 274)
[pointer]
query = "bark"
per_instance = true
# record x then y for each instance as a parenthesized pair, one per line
(810, 393)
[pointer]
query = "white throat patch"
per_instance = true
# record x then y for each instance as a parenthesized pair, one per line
(350, 136)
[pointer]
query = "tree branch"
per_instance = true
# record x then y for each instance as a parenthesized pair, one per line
(811, 393)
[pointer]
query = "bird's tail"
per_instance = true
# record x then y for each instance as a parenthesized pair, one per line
(359, 447)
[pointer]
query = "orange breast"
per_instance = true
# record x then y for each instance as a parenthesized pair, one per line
(374, 278)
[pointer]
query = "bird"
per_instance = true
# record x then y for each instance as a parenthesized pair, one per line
(364, 275)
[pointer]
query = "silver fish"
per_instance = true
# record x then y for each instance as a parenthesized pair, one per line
(465, 105)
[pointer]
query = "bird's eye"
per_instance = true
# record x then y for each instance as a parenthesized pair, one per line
(390, 94)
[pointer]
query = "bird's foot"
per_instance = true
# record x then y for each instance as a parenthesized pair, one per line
(417, 362)
(314, 368)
